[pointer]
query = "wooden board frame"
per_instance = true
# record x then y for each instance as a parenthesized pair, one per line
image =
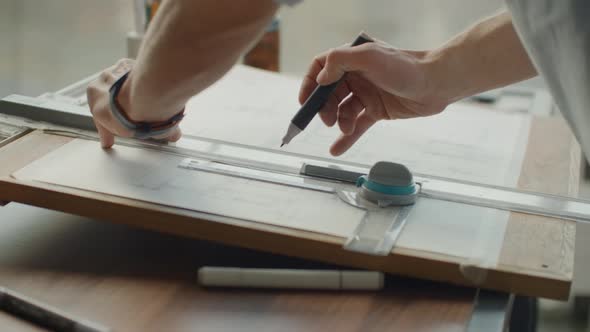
(536, 258)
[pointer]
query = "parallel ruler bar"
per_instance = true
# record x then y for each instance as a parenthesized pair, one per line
(228, 155)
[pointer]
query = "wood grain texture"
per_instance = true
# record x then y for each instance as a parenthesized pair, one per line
(135, 280)
(518, 270)
(552, 165)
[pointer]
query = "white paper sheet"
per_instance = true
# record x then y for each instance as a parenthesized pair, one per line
(152, 176)
(254, 107)
(467, 141)
(456, 229)
(155, 177)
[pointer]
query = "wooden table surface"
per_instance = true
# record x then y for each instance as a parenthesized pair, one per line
(136, 280)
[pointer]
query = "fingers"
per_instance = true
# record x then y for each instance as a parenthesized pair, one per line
(98, 100)
(345, 59)
(107, 125)
(121, 67)
(107, 139)
(329, 113)
(363, 122)
(175, 135)
(171, 136)
(327, 68)
(104, 119)
(309, 80)
(348, 111)
(330, 66)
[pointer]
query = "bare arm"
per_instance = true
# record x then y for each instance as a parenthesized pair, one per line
(487, 56)
(385, 83)
(190, 45)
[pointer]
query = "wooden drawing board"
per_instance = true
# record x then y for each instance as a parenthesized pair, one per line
(536, 257)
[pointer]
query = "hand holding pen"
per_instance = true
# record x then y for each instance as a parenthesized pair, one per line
(377, 82)
(316, 100)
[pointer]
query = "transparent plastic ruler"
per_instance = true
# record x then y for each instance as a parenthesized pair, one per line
(378, 231)
(380, 228)
(60, 113)
(376, 234)
(252, 174)
(334, 176)
(483, 195)
(505, 198)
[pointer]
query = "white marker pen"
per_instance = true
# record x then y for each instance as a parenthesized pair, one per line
(210, 276)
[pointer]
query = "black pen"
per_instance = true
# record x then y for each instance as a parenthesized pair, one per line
(316, 101)
(43, 315)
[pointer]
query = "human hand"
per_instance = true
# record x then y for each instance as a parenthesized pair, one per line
(381, 83)
(99, 101)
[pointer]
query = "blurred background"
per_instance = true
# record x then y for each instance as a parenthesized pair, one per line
(49, 44)
(46, 45)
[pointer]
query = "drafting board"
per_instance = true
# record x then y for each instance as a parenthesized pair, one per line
(539, 264)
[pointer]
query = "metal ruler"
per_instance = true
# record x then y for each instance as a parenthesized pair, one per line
(376, 233)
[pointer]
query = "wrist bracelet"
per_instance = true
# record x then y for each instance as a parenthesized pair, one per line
(140, 130)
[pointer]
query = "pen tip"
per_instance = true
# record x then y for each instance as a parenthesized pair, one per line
(282, 144)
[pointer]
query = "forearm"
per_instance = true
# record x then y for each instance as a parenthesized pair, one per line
(190, 45)
(487, 56)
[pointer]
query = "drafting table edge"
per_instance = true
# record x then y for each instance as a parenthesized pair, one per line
(287, 241)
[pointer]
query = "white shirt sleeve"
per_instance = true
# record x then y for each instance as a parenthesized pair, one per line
(556, 35)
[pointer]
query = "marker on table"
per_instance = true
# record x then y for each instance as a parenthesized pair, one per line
(316, 101)
(210, 276)
(43, 315)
